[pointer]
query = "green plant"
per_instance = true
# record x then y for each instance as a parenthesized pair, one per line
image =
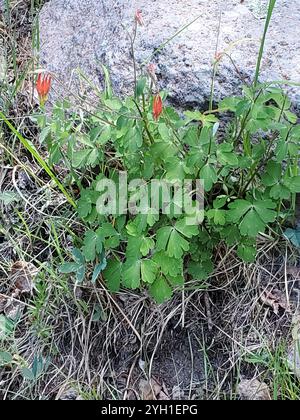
(250, 175)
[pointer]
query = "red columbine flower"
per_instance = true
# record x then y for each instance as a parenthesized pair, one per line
(157, 106)
(139, 17)
(43, 85)
(218, 56)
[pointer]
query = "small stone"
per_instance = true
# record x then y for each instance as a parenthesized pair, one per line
(253, 390)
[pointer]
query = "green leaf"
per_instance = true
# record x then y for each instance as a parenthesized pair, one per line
(134, 139)
(131, 274)
(105, 136)
(27, 374)
(160, 290)
(175, 281)
(229, 104)
(281, 150)
(220, 201)
(255, 215)
(168, 266)
(200, 270)
(93, 245)
(176, 169)
(237, 210)
(231, 234)
(291, 117)
(177, 245)
(9, 197)
(79, 158)
(80, 274)
(138, 225)
(252, 224)
(68, 268)
(293, 235)
(193, 115)
(94, 158)
(45, 134)
(78, 256)
(152, 218)
(293, 184)
(247, 252)
(5, 358)
(186, 230)
(140, 87)
(280, 192)
(6, 327)
(147, 245)
(77, 267)
(162, 237)
(170, 240)
(218, 216)
(191, 136)
(84, 206)
(264, 208)
(133, 248)
(149, 270)
(272, 174)
(112, 275)
(163, 150)
(209, 175)
(226, 156)
(98, 270)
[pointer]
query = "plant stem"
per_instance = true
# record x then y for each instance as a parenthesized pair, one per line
(145, 121)
(263, 41)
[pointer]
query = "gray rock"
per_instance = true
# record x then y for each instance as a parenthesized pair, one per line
(83, 34)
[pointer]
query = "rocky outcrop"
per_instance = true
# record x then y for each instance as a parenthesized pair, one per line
(83, 34)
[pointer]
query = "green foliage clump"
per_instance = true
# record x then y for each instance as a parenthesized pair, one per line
(249, 167)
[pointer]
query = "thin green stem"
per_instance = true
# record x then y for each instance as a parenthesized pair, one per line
(263, 41)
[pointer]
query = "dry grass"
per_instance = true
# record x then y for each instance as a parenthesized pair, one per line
(100, 345)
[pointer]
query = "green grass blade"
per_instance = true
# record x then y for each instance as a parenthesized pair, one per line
(263, 41)
(31, 149)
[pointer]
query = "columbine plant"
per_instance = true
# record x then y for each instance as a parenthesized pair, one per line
(250, 173)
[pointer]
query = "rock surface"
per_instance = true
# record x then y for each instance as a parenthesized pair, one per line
(83, 34)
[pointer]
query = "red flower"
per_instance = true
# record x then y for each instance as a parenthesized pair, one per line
(157, 107)
(43, 85)
(218, 56)
(139, 17)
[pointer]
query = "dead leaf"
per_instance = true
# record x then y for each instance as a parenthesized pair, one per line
(152, 390)
(275, 299)
(14, 309)
(253, 390)
(22, 275)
